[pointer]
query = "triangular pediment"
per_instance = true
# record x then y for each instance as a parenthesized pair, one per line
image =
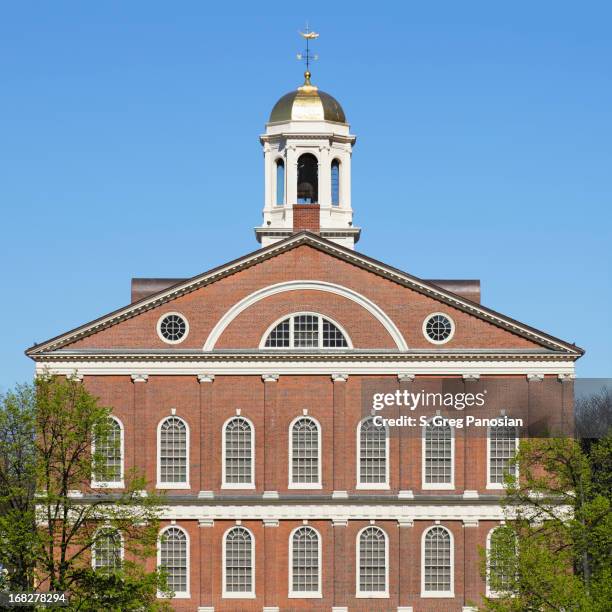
(335, 251)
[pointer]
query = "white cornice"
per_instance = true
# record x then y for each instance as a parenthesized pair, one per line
(331, 248)
(371, 366)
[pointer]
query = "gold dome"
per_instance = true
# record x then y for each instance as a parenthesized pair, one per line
(307, 103)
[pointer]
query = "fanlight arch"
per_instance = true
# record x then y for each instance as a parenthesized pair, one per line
(299, 285)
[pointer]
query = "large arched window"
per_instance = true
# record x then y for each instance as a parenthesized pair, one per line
(372, 563)
(304, 563)
(107, 550)
(238, 563)
(305, 453)
(502, 444)
(308, 179)
(280, 182)
(501, 561)
(173, 556)
(108, 455)
(335, 182)
(238, 454)
(438, 457)
(437, 579)
(372, 453)
(305, 330)
(173, 454)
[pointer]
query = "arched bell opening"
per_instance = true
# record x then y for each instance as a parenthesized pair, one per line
(308, 179)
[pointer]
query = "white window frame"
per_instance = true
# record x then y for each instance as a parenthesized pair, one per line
(437, 486)
(438, 594)
(306, 594)
(371, 594)
(116, 484)
(442, 314)
(237, 485)
(93, 548)
(291, 316)
(277, 159)
(488, 591)
(372, 485)
(161, 336)
(305, 485)
(173, 485)
(497, 486)
(233, 594)
(178, 594)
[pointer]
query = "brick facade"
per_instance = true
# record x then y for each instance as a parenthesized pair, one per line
(149, 381)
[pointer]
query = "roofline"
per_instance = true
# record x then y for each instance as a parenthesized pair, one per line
(302, 237)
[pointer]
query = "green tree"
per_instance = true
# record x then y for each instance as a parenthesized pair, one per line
(555, 553)
(53, 520)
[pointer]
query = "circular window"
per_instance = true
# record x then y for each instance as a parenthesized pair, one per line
(172, 328)
(438, 328)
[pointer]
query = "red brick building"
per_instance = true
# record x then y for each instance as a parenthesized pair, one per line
(243, 392)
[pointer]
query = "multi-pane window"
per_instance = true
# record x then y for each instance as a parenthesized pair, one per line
(501, 559)
(109, 452)
(107, 550)
(372, 453)
(239, 569)
(372, 562)
(238, 452)
(438, 456)
(437, 561)
(502, 450)
(173, 557)
(335, 182)
(305, 562)
(173, 449)
(438, 328)
(305, 452)
(306, 330)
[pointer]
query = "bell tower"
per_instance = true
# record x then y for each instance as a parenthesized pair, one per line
(307, 164)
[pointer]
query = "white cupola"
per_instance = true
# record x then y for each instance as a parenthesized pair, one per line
(307, 163)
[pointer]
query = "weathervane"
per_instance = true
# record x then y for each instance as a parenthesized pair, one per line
(306, 55)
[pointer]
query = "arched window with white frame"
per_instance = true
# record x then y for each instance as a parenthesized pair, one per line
(437, 560)
(438, 457)
(372, 563)
(502, 445)
(107, 549)
(173, 557)
(305, 454)
(280, 182)
(173, 454)
(238, 454)
(305, 330)
(238, 563)
(109, 455)
(372, 455)
(502, 552)
(305, 563)
(335, 182)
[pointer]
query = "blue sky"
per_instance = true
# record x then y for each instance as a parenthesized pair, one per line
(129, 147)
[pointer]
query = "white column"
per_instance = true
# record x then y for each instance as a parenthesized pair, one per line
(291, 175)
(345, 180)
(324, 178)
(268, 184)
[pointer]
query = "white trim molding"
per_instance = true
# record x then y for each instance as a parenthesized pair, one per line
(305, 485)
(115, 484)
(237, 485)
(438, 594)
(173, 485)
(238, 594)
(306, 594)
(178, 594)
(370, 594)
(305, 285)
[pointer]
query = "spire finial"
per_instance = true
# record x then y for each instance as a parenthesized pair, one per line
(308, 35)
